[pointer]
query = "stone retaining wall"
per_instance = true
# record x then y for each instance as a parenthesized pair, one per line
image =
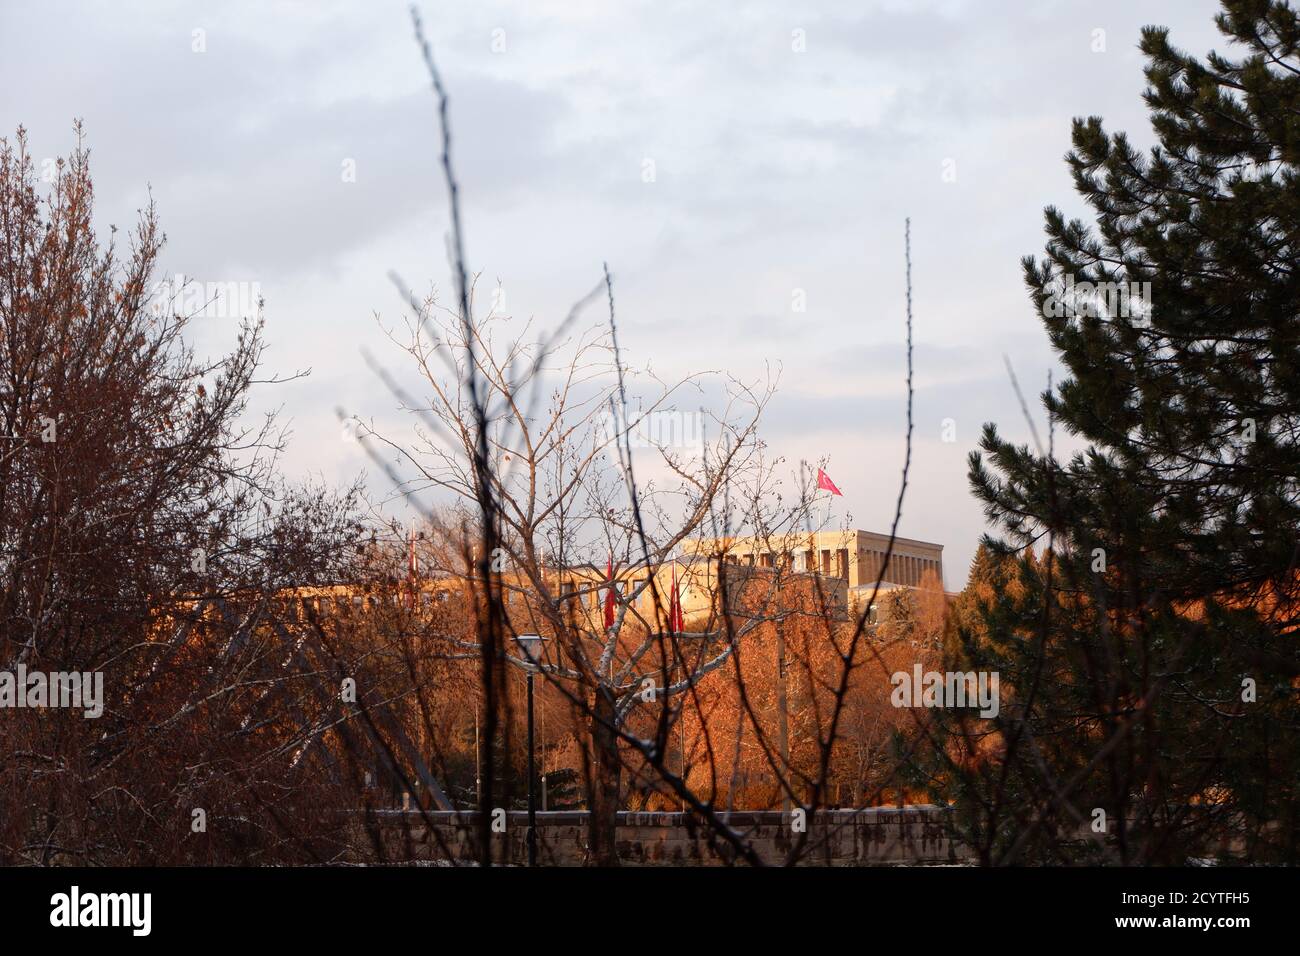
(870, 837)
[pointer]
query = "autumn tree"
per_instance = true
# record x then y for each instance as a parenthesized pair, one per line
(143, 535)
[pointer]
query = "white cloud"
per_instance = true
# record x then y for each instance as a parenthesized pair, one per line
(776, 170)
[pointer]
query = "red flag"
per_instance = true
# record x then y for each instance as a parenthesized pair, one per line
(609, 594)
(411, 570)
(824, 483)
(675, 623)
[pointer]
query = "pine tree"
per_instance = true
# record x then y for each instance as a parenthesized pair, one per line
(1149, 668)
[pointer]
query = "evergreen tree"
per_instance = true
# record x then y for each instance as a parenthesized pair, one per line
(1149, 655)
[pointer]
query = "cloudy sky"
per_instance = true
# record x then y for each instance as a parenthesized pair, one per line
(789, 142)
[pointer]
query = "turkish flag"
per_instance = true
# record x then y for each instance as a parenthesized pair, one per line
(609, 594)
(675, 622)
(412, 572)
(824, 483)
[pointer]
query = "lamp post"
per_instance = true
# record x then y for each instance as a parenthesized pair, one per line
(531, 646)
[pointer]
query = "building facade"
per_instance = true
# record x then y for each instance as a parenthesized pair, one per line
(856, 556)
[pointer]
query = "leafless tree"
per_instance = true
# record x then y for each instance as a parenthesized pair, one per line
(144, 536)
(538, 441)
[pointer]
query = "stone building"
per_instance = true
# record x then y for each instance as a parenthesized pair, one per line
(857, 557)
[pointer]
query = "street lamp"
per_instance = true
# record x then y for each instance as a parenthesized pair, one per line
(531, 647)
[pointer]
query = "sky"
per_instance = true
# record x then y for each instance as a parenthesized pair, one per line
(731, 162)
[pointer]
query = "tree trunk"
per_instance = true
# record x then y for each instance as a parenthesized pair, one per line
(604, 802)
